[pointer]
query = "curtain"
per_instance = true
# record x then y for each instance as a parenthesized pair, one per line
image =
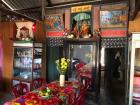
(53, 53)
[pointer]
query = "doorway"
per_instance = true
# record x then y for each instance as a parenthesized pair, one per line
(114, 74)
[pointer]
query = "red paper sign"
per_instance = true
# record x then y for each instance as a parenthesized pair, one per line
(54, 34)
(113, 33)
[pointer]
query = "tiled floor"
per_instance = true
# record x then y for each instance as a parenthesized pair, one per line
(90, 98)
(115, 95)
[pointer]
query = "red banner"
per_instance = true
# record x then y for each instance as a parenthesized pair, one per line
(54, 34)
(113, 33)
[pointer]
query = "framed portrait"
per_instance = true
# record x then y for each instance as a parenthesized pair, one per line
(81, 21)
(24, 31)
(54, 22)
(113, 18)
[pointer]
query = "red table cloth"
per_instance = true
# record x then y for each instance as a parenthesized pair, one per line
(59, 95)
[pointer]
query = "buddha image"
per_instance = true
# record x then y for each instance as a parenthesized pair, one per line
(24, 34)
(85, 30)
(81, 29)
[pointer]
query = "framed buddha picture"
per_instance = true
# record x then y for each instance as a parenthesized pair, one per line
(113, 18)
(24, 31)
(81, 21)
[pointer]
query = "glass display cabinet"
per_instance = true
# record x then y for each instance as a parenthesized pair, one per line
(27, 62)
(134, 69)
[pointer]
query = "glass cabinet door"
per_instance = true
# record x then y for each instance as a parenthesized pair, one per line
(84, 53)
(37, 63)
(136, 80)
(22, 65)
(81, 53)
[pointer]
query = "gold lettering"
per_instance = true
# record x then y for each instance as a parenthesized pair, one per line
(81, 8)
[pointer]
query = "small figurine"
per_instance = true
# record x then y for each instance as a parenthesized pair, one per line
(67, 34)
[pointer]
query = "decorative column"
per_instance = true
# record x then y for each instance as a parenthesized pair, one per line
(43, 9)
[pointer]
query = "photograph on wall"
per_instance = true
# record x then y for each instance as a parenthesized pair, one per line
(54, 22)
(81, 21)
(24, 31)
(113, 19)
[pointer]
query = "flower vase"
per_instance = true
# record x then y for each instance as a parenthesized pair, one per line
(62, 80)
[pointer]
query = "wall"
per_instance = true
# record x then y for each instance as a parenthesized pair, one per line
(7, 31)
(40, 31)
(134, 26)
(1, 60)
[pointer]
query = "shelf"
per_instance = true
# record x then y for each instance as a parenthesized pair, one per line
(38, 69)
(95, 38)
(22, 68)
(137, 73)
(37, 57)
(21, 79)
(29, 56)
(27, 61)
(137, 68)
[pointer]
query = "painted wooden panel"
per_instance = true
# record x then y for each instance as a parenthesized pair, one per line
(96, 19)
(114, 33)
(8, 31)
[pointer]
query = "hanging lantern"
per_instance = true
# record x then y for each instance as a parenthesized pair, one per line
(34, 27)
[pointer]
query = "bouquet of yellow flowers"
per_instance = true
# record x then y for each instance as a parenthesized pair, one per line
(62, 65)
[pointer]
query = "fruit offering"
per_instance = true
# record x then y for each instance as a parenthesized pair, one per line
(44, 92)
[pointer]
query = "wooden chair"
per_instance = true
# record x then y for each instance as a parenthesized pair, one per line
(38, 82)
(81, 97)
(79, 65)
(86, 82)
(19, 89)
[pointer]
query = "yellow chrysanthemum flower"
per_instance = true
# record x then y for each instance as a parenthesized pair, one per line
(62, 65)
(63, 59)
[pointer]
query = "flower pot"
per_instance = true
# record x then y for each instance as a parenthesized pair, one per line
(62, 80)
